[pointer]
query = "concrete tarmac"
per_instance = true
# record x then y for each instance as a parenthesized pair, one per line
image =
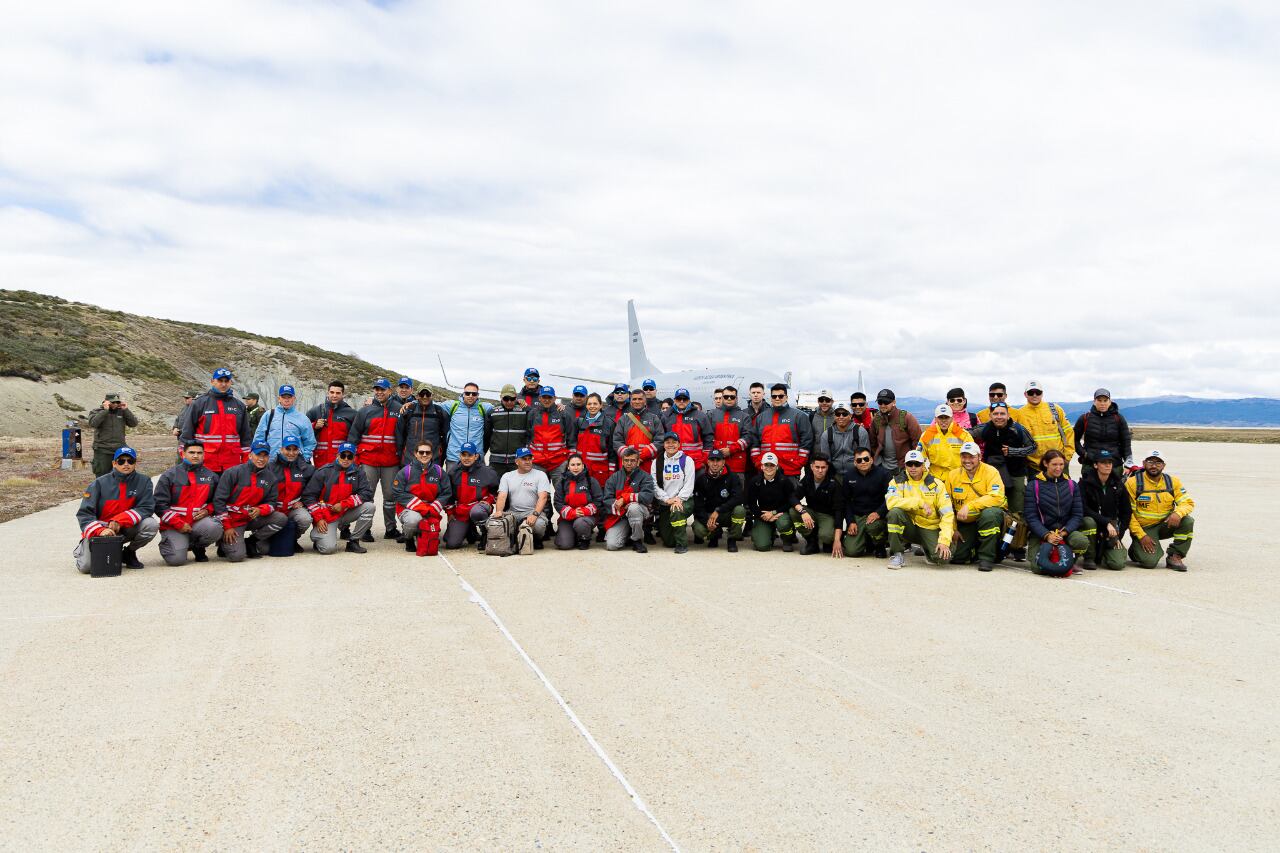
(752, 701)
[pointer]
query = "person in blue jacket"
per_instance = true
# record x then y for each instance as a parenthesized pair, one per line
(1054, 508)
(466, 422)
(285, 419)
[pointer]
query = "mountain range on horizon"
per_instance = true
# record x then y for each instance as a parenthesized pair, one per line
(1166, 410)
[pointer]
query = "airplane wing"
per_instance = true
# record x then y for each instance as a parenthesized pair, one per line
(610, 382)
(495, 393)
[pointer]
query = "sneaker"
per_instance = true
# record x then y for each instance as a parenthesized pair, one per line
(356, 548)
(897, 561)
(732, 547)
(639, 547)
(985, 566)
(200, 555)
(682, 549)
(1173, 561)
(367, 537)
(129, 559)
(391, 533)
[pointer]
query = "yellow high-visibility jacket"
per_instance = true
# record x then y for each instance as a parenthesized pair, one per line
(912, 496)
(1038, 420)
(942, 449)
(983, 489)
(1160, 498)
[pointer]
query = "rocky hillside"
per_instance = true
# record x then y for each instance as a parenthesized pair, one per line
(58, 359)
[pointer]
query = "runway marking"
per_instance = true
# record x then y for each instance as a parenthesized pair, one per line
(217, 611)
(479, 600)
(818, 656)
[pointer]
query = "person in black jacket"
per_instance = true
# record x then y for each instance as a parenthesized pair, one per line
(1006, 444)
(770, 497)
(1103, 428)
(822, 510)
(864, 508)
(1106, 511)
(717, 493)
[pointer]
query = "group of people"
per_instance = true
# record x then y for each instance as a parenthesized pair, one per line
(847, 480)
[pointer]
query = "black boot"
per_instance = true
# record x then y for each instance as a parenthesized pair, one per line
(480, 545)
(391, 533)
(367, 537)
(411, 544)
(648, 537)
(810, 544)
(356, 548)
(600, 533)
(537, 542)
(251, 547)
(584, 544)
(344, 534)
(200, 555)
(732, 547)
(639, 547)
(129, 559)
(788, 544)
(713, 541)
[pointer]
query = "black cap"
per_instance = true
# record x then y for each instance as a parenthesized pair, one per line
(885, 396)
(715, 454)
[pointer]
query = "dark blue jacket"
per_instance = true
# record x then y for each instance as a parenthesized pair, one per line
(1059, 507)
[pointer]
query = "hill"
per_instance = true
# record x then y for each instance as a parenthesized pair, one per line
(58, 359)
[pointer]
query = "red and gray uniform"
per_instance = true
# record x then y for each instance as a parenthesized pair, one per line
(337, 424)
(180, 493)
(418, 423)
(291, 478)
(641, 430)
(240, 488)
(732, 436)
(125, 499)
(593, 437)
(785, 431)
(421, 493)
(346, 488)
(695, 431)
(550, 436)
(475, 490)
(529, 396)
(613, 413)
(221, 423)
(373, 432)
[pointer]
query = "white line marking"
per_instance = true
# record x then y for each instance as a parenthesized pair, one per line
(636, 800)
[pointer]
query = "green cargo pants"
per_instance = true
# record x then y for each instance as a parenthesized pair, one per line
(825, 524)
(1111, 558)
(762, 532)
(869, 536)
(673, 525)
(735, 522)
(102, 461)
(1015, 492)
(1181, 536)
(903, 532)
(1077, 541)
(981, 536)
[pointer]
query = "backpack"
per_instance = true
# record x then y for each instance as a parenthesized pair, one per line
(524, 540)
(1055, 561)
(1168, 485)
(878, 420)
(499, 534)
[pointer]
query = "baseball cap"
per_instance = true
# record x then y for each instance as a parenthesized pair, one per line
(1102, 392)
(670, 436)
(346, 447)
(523, 452)
(290, 441)
(251, 395)
(286, 391)
(622, 386)
(222, 373)
(532, 373)
(1155, 454)
(824, 395)
(468, 447)
(125, 451)
(649, 384)
(546, 391)
(942, 410)
(914, 456)
(579, 390)
(191, 393)
(405, 380)
(1032, 386)
(885, 396)
(1104, 456)
(768, 458)
(508, 390)
(841, 407)
(259, 447)
(971, 448)
(381, 383)
(112, 398)
(424, 391)
(715, 454)
(681, 392)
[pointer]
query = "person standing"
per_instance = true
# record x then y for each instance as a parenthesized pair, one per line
(1103, 428)
(532, 386)
(784, 431)
(404, 392)
(893, 431)
(506, 431)
(550, 434)
(184, 505)
(339, 496)
(997, 393)
(119, 503)
(960, 415)
(374, 433)
(221, 423)
(732, 434)
(109, 422)
(823, 418)
(255, 411)
(331, 423)
(467, 418)
(1006, 444)
(245, 503)
(841, 441)
(862, 415)
(692, 426)
(592, 436)
(423, 420)
(619, 402)
(941, 442)
(284, 419)
(638, 429)
(578, 406)
(651, 400)
(187, 399)
(1048, 425)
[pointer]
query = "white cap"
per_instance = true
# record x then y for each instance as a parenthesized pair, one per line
(769, 457)
(1032, 385)
(1154, 454)
(970, 447)
(914, 456)
(943, 409)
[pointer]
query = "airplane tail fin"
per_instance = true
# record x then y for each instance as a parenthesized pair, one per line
(640, 364)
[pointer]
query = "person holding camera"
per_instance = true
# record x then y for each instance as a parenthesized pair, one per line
(109, 422)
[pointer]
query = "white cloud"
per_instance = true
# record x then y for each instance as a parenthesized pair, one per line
(937, 194)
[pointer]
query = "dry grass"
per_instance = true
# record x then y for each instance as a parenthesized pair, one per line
(18, 482)
(1222, 434)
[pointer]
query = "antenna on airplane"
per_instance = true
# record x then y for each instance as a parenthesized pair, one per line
(860, 388)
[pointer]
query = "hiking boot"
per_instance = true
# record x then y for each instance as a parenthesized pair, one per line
(391, 533)
(129, 559)
(537, 543)
(344, 534)
(897, 561)
(219, 551)
(682, 549)
(480, 546)
(732, 547)
(411, 544)
(297, 545)
(251, 548)
(367, 537)
(1173, 561)
(1088, 563)
(713, 541)
(1019, 555)
(985, 566)
(584, 544)
(810, 545)
(787, 547)
(356, 548)
(879, 552)
(648, 538)
(600, 533)
(639, 547)
(200, 555)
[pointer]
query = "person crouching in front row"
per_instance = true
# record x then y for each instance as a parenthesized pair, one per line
(579, 501)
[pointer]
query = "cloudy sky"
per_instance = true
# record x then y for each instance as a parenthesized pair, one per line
(935, 193)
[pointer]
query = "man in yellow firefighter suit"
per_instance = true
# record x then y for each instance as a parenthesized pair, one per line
(979, 501)
(919, 513)
(941, 442)
(1049, 427)
(1161, 510)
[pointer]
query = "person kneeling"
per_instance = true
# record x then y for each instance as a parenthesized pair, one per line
(525, 493)
(421, 492)
(1106, 512)
(339, 495)
(245, 502)
(184, 502)
(978, 498)
(1054, 512)
(823, 506)
(770, 496)
(673, 477)
(578, 500)
(919, 513)
(475, 488)
(627, 493)
(119, 503)
(1161, 509)
(717, 498)
(864, 508)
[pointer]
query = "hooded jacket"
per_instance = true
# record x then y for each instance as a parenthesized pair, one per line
(1095, 431)
(280, 422)
(578, 496)
(242, 487)
(337, 424)
(471, 485)
(417, 423)
(334, 484)
(422, 488)
(942, 449)
(785, 431)
(291, 478)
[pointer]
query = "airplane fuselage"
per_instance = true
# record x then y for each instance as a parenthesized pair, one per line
(703, 383)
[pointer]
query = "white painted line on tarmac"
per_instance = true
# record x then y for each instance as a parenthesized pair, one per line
(636, 800)
(818, 656)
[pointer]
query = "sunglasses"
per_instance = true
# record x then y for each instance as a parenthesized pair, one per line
(346, 456)
(508, 399)
(997, 395)
(471, 393)
(728, 396)
(955, 399)
(915, 464)
(857, 405)
(863, 459)
(422, 452)
(778, 396)
(125, 460)
(1035, 393)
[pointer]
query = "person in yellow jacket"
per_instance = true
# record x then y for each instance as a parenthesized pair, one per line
(979, 501)
(941, 441)
(1049, 427)
(919, 513)
(1161, 510)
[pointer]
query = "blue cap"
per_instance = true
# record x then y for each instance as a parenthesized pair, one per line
(649, 383)
(681, 392)
(716, 454)
(290, 441)
(622, 386)
(532, 373)
(346, 447)
(125, 451)
(222, 373)
(287, 390)
(546, 391)
(259, 447)
(670, 436)
(405, 380)
(1104, 456)
(523, 452)
(579, 389)
(381, 383)
(468, 447)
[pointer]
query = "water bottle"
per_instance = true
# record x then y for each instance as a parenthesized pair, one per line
(1007, 541)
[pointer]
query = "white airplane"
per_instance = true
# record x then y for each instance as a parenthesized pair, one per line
(700, 383)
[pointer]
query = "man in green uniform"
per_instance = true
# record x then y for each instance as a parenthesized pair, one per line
(109, 422)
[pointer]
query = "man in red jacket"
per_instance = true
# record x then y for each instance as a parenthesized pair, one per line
(374, 434)
(338, 495)
(184, 503)
(331, 421)
(119, 503)
(245, 503)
